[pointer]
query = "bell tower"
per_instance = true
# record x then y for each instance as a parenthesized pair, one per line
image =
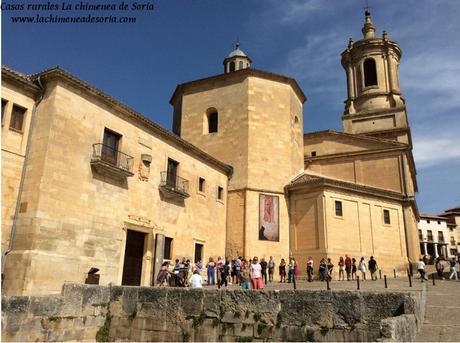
(236, 60)
(374, 105)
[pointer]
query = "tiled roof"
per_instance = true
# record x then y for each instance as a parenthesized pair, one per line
(431, 216)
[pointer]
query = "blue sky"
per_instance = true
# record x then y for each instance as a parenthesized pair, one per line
(184, 40)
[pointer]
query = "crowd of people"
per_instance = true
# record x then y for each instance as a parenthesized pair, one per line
(255, 273)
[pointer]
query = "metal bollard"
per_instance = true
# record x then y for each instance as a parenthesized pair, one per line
(293, 282)
(385, 279)
(327, 283)
(357, 282)
(410, 279)
(394, 273)
(434, 283)
(380, 273)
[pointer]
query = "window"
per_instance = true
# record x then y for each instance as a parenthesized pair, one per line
(109, 151)
(386, 216)
(420, 236)
(428, 221)
(167, 249)
(232, 66)
(201, 184)
(338, 208)
(313, 153)
(240, 65)
(198, 252)
(213, 120)
(430, 235)
(439, 222)
(440, 237)
(220, 193)
(171, 174)
(17, 118)
(370, 73)
(4, 102)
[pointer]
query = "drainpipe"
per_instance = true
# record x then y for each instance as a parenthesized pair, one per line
(23, 174)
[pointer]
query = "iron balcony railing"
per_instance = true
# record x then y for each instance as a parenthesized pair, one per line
(174, 182)
(441, 239)
(430, 238)
(118, 159)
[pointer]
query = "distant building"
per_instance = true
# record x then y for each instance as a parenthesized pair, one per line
(453, 223)
(434, 236)
(89, 182)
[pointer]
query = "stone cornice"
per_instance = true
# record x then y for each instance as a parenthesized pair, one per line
(60, 74)
(310, 159)
(374, 112)
(313, 181)
(236, 75)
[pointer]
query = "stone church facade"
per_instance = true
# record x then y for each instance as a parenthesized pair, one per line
(88, 182)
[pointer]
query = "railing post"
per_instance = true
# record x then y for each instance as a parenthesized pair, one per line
(394, 273)
(327, 283)
(293, 281)
(357, 282)
(410, 279)
(434, 283)
(380, 273)
(385, 279)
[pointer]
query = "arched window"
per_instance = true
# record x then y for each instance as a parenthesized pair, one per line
(213, 120)
(232, 66)
(240, 65)
(370, 73)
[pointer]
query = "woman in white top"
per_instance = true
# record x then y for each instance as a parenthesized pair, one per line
(362, 268)
(195, 280)
(256, 274)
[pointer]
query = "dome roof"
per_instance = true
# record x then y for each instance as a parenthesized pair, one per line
(237, 52)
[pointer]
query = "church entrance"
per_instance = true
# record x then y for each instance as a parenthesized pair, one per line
(134, 253)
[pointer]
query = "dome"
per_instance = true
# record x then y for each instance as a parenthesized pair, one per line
(237, 52)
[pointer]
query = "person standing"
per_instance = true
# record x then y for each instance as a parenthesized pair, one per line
(238, 269)
(330, 269)
(271, 269)
(322, 269)
(310, 269)
(362, 268)
(256, 274)
(220, 263)
(211, 266)
(421, 269)
(291, 270)
(341, 269)
(282, 270)
(453, 269)
(348, 266)
(244, 275)
(372, 264)
(353, 268)
(440, 268)
(224, 272)
(264, 266)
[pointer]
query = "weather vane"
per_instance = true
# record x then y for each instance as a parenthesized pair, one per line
(367, 12)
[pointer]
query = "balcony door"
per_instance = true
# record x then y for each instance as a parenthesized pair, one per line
(109, 149)
(171, 176)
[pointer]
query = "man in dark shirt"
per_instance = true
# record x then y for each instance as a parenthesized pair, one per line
(372, 264)
(264, 264)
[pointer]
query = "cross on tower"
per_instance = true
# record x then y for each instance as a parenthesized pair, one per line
(367, 8)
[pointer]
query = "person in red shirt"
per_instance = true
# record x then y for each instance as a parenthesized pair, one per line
(348, 266)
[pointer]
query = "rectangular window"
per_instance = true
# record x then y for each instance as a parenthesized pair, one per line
(440, 237)
(427, 221)
(171, 174)
(338, 208)
(386, 216)
(430, 235)
(17, 118)
(198, 252)
(439, 222)
(201, 184)
(220, 193)
(4, 102)
(313, 153)
(110, 144)
(167, 251)
(420, 236)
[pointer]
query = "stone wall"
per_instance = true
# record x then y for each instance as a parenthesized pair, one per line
(85, 312)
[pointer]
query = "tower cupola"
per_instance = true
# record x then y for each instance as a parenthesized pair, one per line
(236, 60)
(374, 102)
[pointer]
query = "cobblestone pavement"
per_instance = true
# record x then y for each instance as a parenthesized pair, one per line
(442, 316)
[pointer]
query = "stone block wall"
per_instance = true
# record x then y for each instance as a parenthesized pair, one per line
(103, 313)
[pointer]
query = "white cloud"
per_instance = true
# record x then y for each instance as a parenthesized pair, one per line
(297, 11)
(433, 150)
